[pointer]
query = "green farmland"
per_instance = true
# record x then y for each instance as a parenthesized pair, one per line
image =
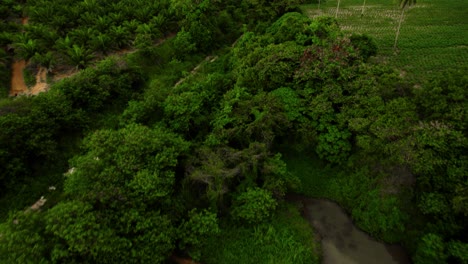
(433, 36)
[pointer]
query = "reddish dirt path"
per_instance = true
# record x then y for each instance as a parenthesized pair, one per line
(180, 260)
(18, 86)
(17, 81)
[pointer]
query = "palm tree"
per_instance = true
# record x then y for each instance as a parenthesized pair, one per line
(63, 44)
(102, 42)
(79, 56)
(337, 8)
(403, 5)
(46, 60)
(120, 36)
(82, 35)
(363, 6)
(102, 23)
(26, 50)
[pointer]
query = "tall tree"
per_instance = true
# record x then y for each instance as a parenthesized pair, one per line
(404, 4)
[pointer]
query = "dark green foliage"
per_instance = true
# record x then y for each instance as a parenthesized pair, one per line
(365, 45)
(243, 118)
(430, 250)
(291, 26)
(28, 135)
(93, 88)
(207, 136)
(264, 10)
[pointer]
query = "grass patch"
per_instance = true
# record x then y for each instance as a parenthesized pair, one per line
(287, 238)
(433, 34)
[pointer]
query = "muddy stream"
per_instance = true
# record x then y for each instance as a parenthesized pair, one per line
(341, 241)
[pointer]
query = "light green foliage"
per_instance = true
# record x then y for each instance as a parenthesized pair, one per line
(268, 10)
(269, 67)
(196, 230)
(20, 241)
(79, 56)
(77, 231)
(182, 110)
(288, 27)
(292, 103)
(433, 203)
(183, 43)
(135, 160)
(286, 238)
(430, 250)
(333, 145)
(81, 231)
(253, 206)
(47, 60)
(26, 48)
(459, 250)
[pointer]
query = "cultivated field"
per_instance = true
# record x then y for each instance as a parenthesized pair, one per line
(433, 36)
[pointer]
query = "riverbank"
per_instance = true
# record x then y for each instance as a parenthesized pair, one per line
(342, 242)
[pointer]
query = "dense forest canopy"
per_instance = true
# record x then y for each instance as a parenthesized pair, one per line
(165, 157)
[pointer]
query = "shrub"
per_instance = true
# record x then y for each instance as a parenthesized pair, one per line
(253, 206)
(365, 45)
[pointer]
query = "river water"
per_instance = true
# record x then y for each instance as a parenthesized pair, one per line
(342, 242)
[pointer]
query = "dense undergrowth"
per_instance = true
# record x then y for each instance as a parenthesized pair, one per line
(178, 148)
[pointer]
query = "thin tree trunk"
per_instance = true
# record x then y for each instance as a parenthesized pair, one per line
(398, 29)
(337, 8)
(319, 5)
(363, 6)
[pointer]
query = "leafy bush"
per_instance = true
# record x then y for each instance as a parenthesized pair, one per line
(253, 206)
(430, 250)
(196, 230)
(365, 45)
(334, 145)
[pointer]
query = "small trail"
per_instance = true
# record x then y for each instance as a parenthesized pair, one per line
(17, 81)
(41, 82)
(195, 70)
(18, 86)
